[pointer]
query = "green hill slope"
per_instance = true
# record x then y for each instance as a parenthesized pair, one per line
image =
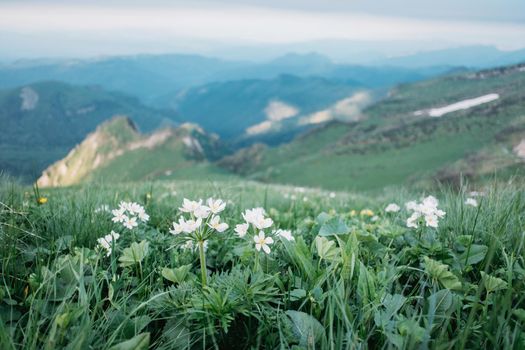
(402, 140)
(260, 110)
(116, 151)
(41, 122)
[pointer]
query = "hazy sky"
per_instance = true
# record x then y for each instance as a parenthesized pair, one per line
(89, 28)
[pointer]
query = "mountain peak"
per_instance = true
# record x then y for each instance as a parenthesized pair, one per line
(117, 150)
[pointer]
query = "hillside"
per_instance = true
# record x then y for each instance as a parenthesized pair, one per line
(116, 151)
(41, 122)
(263, 110)
(470, 124)
(419, 132)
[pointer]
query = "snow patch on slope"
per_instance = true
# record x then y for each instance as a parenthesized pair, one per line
(458, 106)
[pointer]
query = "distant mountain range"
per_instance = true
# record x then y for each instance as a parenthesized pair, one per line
(41, 122)
(152, 77)
(470, 123)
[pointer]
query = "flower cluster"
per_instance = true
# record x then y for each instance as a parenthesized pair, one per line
(129, 214)
(427, 209)
(199, 214)
(256, 218)
(107, 242)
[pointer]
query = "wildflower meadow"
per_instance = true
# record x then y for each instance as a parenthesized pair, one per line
(241, 265)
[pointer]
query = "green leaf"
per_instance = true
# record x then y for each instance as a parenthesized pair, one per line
(297, 294)
(306, 329)
(138, 342)
(440, 272)
(334, 226)
(366, 286)
(441, 303)
(176, 275)
(475, 255)
(326, 249)
(492, 283)
(134, 254)
(520, 314)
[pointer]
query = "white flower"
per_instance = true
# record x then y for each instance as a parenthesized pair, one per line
(412, 205)
(107, 241)
(251, 215)
(190, 206)
(216, 206)
(241, 229)
(439, 213)
(262, 242)
(430, 201)
(286, 234)
(190, 225)
(332, 195)
(130, 223)
(202, 212)
(177, 228)
(428, 209)
(412, 220)
(472, 202)
(261, 222)
(305, 199)
(256, 217)
(118, 215)
(143, 216)
(217, 225)
(125, 206)
(392, 208)
(136, 208)
(431, 221)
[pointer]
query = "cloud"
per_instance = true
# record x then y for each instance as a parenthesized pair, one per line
(348, 109)
(278, 110)
(238, 24)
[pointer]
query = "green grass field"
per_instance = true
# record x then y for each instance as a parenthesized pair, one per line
(354, 277)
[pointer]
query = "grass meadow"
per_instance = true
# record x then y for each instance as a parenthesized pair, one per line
(335, 270)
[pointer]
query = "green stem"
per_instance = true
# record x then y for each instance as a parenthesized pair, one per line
(203, 262)
(256, 267)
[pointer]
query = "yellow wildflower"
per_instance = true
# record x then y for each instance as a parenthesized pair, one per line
(367, 212)
(41, 200)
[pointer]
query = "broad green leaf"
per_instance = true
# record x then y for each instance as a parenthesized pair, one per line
(176, 275)
(492, 283)
(297, 294)
(334, 226)
(441, 303)
(134, 254)
(326, 249)
(138, 342)
(307, 330)
(440, 272)
(366, 287)
(322, 218)
(476, 254)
